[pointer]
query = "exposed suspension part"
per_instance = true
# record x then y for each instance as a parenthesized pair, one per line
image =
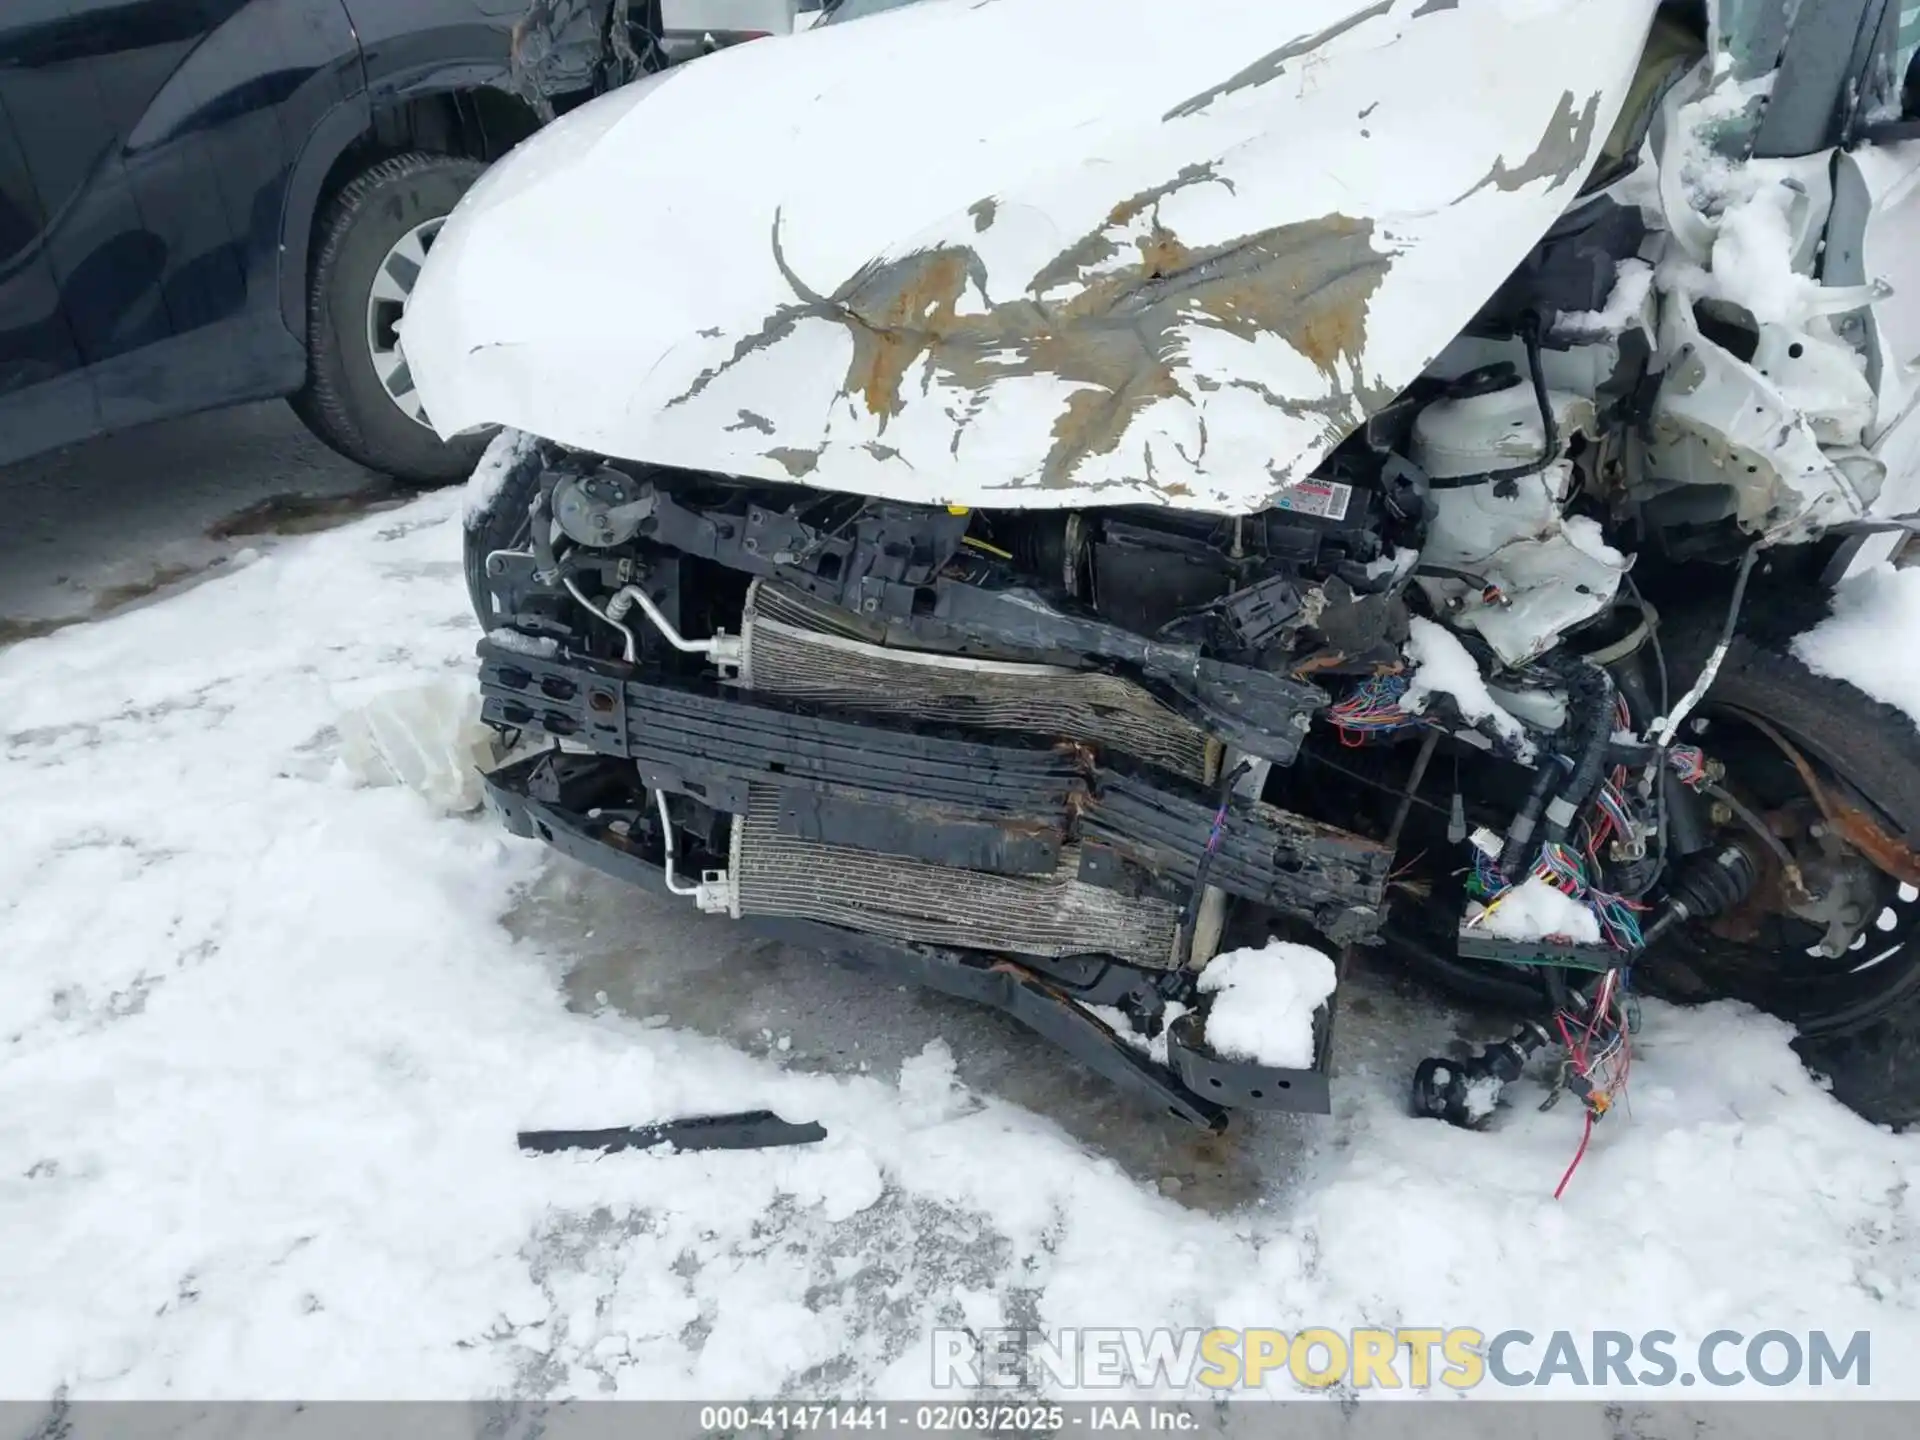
(1709, 884)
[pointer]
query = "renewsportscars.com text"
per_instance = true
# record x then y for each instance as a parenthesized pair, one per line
(1407, 1357)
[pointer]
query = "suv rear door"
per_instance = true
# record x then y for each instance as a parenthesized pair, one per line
(141, 253)
(158, 137)
(45, 395)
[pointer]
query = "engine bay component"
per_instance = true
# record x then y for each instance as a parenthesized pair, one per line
(604, 507)
(559, 799)
(795, 645)
(1508, 562)
(1708, 885)
(1592, 1031)
(1007, 808)
(1032, 663)
(780, 870)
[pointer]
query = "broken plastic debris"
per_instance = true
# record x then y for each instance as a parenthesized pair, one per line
(428, 738)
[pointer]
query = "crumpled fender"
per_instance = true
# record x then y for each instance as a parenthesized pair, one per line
(1037, 254)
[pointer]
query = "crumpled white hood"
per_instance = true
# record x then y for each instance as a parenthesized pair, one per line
(1011, 253)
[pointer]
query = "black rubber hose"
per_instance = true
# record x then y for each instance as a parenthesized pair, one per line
(1518, 851)
(1590, 721)
(1687, 830)
(1533, 330)
(1631, 682)
(1590, 688)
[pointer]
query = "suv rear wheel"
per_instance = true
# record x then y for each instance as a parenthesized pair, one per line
(368, 252)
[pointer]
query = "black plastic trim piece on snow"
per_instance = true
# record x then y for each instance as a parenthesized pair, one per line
(745, 1130)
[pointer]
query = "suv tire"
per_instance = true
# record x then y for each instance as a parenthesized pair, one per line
(372, 233)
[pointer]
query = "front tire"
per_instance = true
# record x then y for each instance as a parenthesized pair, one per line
(1860, 1027)
(359, 397)
(1858, 1014)
(498, 519)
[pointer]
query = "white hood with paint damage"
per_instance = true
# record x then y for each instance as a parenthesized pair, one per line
(1011, 253)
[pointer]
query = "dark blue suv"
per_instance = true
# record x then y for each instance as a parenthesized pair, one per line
(210, 201)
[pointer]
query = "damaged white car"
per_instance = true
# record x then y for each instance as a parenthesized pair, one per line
(1039, 500)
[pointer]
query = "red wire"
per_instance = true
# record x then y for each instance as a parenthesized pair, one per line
(1585, 1135)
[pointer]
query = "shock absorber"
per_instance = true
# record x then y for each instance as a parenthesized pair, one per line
(1709, 883)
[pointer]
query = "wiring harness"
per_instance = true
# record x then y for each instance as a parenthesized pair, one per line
(1598, 1040)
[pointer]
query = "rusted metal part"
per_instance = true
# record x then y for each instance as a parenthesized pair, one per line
(1887, 853)
(1859, 829)
(1117, 334)
(1841, 891)
(1728, 807)
(1742, 923)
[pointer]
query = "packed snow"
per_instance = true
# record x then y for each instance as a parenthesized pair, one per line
(1483, 1096)
(1876, 616)
(1117, 1020)
(1444, 666)
(1534, 910)
(543, 647)
(269, 1035)
(1264, 1001)
(1753, 260)
(1626, 304)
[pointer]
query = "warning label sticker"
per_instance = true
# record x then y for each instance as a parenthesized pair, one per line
(1325, 498)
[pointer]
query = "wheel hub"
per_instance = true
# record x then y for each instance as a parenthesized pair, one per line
(1809, 938)
(393, 285)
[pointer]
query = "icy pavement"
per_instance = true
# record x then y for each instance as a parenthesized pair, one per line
(268, 1037)
(97, 526)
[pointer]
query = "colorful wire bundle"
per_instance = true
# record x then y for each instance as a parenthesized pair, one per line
(1689, 762)
(1563, 868)
(1599, 1055)
(1372, 708)
(1618, 917)
(1485, 883)
(1613, 810)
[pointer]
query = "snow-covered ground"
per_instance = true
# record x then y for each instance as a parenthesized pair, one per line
(266, 1038)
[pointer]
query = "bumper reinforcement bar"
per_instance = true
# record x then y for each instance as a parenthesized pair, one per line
(1194, 1086)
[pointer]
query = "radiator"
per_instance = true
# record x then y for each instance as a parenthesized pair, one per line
(912, 900)
(795, 645)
